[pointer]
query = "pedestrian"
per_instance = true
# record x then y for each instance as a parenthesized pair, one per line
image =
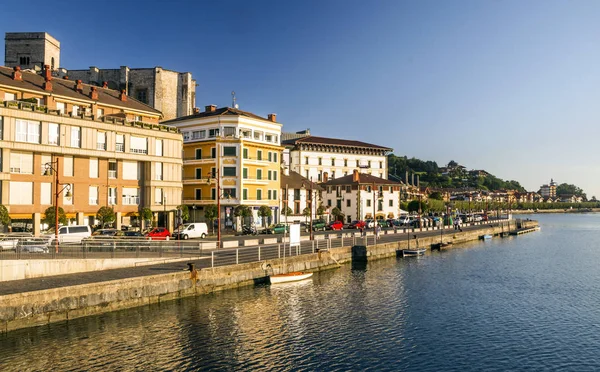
(456, 223)
(377, 231)
(459, 220)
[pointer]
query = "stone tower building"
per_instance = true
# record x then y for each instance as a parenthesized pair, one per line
(30, 50)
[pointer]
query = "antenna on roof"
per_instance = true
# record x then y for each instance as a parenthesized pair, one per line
(233, 99)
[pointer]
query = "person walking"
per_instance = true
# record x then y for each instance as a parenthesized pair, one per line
(377, 231)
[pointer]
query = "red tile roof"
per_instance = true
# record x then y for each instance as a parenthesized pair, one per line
(364, 178)
(334, 141)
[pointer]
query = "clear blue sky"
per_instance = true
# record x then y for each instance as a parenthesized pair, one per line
(511, 87)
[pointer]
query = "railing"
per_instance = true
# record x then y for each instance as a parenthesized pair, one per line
(131, 200)
(139, 151)
(100, 146)
(120, 147)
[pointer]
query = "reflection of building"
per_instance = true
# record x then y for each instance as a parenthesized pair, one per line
(246, 150)
(300, 191)
(360, 196)
(110, 149)
(548, 191)
(172, 93)
(328, 158)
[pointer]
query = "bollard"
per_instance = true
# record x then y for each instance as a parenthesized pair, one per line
(190, 266)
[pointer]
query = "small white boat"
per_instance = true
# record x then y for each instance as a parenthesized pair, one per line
(413, 252)
(289, 277)
(486, 237)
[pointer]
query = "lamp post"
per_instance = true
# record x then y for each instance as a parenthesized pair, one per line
(53, 167)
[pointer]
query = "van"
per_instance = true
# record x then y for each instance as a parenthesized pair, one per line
(191, 230)
(73, 234)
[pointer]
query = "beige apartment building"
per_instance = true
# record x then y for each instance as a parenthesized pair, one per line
(109, 148)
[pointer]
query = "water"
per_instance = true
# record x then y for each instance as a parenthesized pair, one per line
(526, 303)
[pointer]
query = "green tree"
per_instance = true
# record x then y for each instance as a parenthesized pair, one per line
(106, 215)
(306, 213)
(242, 211)
(287, 210)
(146, 216)
(4, 218)
(337, 214)
(413, 206)
(211, 214)
(49, 217)
(264, 212)
(321, 211)
(185, 212)
(436, 195)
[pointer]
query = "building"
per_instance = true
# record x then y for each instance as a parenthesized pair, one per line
(548, 191)
(323, 158)
(362, 196)
(170, 92)
(239, 150)
(110, 149)
(300, 193)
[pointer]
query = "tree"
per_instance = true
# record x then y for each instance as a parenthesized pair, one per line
(436, 195)
(185, 212)
(306, 213)
(146, 216)
(211, 214)
(264, 212)
(4, 218)
(321, 211)
(287, 210)
(413, 206)
(337, 213)
(242, 211)
(452, 163)
(49, 217)
(106, 215)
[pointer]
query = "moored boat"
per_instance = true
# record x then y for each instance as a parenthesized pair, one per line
(441, 246)
(413, 252)
(289, 277)
(486, 237)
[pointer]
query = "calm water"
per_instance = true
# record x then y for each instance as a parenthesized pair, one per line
(528, 303)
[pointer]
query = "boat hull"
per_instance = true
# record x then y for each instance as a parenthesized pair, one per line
(289, 277)
(413, 252)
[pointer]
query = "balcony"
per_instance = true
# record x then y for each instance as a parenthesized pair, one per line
(131, 200)
(120, 147)
(100, 146)
(139, 151)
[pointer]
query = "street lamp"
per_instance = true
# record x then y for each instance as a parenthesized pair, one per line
(49, 168)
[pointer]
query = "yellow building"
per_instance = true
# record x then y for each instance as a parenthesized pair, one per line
(240, 150)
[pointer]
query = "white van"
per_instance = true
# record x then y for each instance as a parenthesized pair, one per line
(71, 234)
(191, 230)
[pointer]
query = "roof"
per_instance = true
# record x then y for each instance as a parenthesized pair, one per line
(296, 181)
(223, 111)
(62, 87)
(333, 141)
(364, 178)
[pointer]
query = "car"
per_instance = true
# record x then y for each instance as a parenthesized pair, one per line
(335, 225)
(158, 233)
(130, 233)
(318, 225)
(105, 232)
(403, 220)
(279, 228)
(370, 223)
(191, 230)
(357, 224)
(390, 222)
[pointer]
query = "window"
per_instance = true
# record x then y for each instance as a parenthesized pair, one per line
(213, 133)
(130, 170)
(101, 141)
(44, 160)
(213, 152)
(275, 157)
(369, 164)
(158, 171)
(306, 171)
(138, 145)
(94, 168)
(369, 189)
(213, 194)
(333, 162)
(391, 202)
(186, 136)
(198, 194)
(268, 137)
(259, 194)
(348, 188)
(21, 162)
(333, 175)
(348, 203)
(259, 154)
(112, 169)
(158, 195)
(380, 205)
(259, 174)
(112, 195)
(329, 202)
(142, 95)
(27, 131)
(245, 194)
(245, 152)
(76, 137)
(68, 200)
(274, 175)
(75, 111)
(93, 195)
(320, 161)
(245, 173)
(198, 173)
(53, 134)
(345, 162)
(213, 172)
(269, 195)
(368, 202)
(131, 196)
(229, 131)
(21, 193)
(198, 154)
(320, 176)
(159, 147)
(10, 96)
(120, 143)
(46, 193)
(229, 193)
(274, 194)
(60, 107)
(229, 171)
(23, 61)
(229, 151)
(391, 189)
(269, 173)
(198, 134)
(258, 136)
(306, 160)
(270, 156)
(68, 166)
(99, 113)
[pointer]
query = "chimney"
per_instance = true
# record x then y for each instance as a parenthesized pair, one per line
(196, 110)
(210, 108)
(79, 86)
(273, 118)
(123, 96)
(94, 93)
(105, 84)
(17, 75)
(47, 86)
(356, 176)
(325, 176)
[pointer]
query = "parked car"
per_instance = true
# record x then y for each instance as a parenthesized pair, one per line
(390, 222)
(357, 225)
(73, 234)
(105, 232)
(318, 225)
(335, 225)
(370, 223)
(158, 233)
(403, 220)
(191, 230)
(129, 233)
(279, 228)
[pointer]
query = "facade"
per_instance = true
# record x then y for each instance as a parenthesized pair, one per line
(170, 92)
(111, 151)
(323, 158)
(300, 194)
(238, 149)
(362, 196)
(548, 191)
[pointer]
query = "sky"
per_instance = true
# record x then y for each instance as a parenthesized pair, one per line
(511, 87)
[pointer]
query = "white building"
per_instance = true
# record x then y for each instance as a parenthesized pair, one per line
(300, 192)
(361, 196)
(323, 158)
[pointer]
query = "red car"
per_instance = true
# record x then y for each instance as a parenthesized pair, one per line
(335, 225)
(357, 225)
(158, 233)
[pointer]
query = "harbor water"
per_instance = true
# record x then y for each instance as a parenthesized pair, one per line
(526, 303)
